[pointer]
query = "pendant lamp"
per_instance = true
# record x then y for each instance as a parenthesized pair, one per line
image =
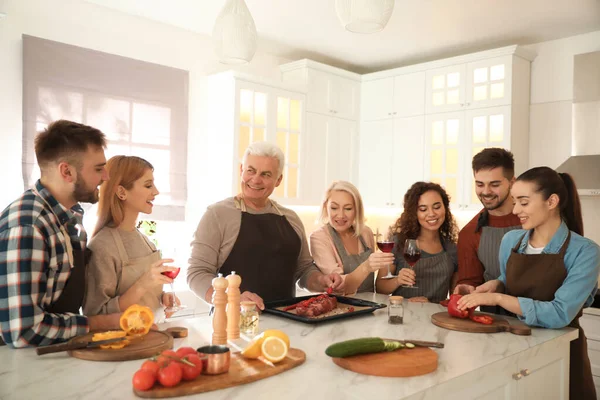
(364, 16)
(234, 34)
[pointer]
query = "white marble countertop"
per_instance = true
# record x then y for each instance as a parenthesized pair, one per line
(24, 375)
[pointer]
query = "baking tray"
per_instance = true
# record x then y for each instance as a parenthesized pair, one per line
(361, 307)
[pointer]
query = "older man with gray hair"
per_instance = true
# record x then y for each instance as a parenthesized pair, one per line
(251, 234)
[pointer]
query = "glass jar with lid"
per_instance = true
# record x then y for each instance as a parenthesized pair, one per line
(248, 318)
(396, 310)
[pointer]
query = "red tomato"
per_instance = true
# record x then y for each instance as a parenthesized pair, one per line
(152, 367)
(184, 351)
(189, 372)
(166, 357)
(143, 380)
(170, 375)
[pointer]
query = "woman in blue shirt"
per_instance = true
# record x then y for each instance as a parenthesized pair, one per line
(548, 270)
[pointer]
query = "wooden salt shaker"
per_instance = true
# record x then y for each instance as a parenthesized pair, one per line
(233, 306)
(219, 300)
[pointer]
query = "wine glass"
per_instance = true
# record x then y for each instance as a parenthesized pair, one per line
(386, 244)
(412, 254)
(174, 306)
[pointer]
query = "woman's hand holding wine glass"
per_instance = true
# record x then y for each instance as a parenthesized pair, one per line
(412, 254)
(386, 245)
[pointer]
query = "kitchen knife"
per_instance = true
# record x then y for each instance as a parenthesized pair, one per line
(80, 342)
(421, 343)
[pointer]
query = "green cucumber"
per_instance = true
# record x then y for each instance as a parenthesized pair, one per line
(362, 346)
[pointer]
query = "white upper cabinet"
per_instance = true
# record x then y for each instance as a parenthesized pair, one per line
(243, 109)
(331, 91)
(445, 90)
(489, 82)
(400, 96)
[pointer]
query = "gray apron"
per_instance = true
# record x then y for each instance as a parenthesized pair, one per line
(433, 275)
(351, 261)
(133, 269)
(489, 253)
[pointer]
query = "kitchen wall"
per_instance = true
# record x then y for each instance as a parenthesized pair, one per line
(550, 115)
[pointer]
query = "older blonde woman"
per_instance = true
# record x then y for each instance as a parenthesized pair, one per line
(344, 244)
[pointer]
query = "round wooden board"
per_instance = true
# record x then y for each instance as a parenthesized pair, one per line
(444, 320)
(147, 346)
(398, 363)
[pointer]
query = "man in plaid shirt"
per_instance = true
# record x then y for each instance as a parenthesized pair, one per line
(42, 241)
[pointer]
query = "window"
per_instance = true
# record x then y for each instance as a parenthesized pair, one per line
(141, 107)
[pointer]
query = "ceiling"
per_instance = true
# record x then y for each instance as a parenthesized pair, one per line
(419, 30)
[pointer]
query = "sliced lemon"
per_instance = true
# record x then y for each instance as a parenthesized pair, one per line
(253, 350)
(274, 349)
(277, 333)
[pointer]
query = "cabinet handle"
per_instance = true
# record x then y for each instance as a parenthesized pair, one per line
(517, 376)
(462, 104)
(392, 204)
(525, 372)
(395, 113)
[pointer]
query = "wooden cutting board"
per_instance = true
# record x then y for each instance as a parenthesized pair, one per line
(444, 320)
(147, 346)
(241, 371)
(398, 363)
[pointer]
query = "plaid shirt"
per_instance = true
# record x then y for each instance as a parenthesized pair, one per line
(34, 268)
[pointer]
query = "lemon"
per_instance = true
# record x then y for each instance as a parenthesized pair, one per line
(253, 350)
(274, 349)
(277, 333)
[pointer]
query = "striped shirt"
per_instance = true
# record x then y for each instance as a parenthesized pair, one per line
(35, 264)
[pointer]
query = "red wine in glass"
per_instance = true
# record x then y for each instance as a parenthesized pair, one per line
(174, 306)
(412, 254)
(172, 274)
(386, 246)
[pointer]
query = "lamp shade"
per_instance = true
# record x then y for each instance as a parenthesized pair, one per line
(364, 16)
(234, 33)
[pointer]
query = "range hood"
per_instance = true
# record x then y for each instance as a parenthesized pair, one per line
(584, 164)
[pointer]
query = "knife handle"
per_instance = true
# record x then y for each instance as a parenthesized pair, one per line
(54, 348)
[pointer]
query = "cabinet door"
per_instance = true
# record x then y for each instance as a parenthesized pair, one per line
(407, 161)
(377, 99)
(409, 95)
(444, 160)
(319, 92)
(319, 128)
(445, 89)
(375, 162)
(485, 127)
(489, 82)
(545, 375)
(345, 95)
(342, 151)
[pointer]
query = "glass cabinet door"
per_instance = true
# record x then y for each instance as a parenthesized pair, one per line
(445, 155)
(289, 127)
(489, 82)
(445, 89)
(252, 121)
(487, 127)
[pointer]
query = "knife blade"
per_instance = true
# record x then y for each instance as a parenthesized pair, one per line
(76, 343)
(421, 343)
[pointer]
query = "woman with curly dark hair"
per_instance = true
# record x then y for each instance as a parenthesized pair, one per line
(426, 218)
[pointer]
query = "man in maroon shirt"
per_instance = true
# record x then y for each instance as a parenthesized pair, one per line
(479, 240)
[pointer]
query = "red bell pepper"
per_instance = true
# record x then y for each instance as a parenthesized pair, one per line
(453, 307)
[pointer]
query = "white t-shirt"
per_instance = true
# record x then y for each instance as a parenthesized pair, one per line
(533, 250)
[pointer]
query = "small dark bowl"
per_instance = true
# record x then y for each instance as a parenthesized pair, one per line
(216, 361)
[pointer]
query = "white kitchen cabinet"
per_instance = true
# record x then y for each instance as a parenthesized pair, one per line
(452, 139)
(331, 91)
(590, 322)
(399, 96)
(477, 84)
(537, 373)
(243, 109)
(390, 159)
(332, 144)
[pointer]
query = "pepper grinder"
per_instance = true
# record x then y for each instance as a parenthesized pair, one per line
(219, 300)
(233, 306)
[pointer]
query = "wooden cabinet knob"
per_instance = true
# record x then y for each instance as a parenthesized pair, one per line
(525, 372)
